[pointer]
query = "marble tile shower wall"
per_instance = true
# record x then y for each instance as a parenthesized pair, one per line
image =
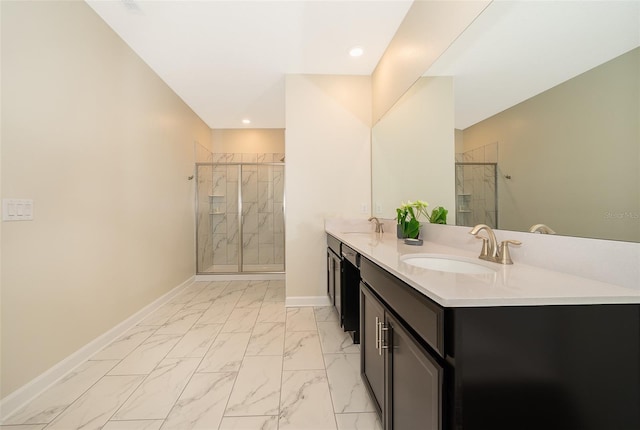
(476, 191)
(262, 189)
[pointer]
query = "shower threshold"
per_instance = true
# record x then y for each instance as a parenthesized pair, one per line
(247, 268)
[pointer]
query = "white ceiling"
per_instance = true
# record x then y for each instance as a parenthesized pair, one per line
(517, 49)
(227, 59)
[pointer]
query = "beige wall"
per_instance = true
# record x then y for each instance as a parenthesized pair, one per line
(248, 141)
(425, 33)
(327, 172)
(104, 148)
(413, 150)
(572, 153)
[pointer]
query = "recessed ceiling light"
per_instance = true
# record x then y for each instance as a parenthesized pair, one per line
(246, 121)
(356, 51)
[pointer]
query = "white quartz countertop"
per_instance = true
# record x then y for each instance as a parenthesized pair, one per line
(511, 285)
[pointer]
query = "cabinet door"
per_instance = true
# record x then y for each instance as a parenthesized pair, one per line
(330, 276)
(414, 395)
(371, 354)
(337, 284)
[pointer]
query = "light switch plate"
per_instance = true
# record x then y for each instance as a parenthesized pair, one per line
(17, 209)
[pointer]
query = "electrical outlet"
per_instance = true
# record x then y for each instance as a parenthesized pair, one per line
(364, 208)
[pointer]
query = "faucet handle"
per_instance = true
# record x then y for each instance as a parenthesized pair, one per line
(484, 252)
(504, 256)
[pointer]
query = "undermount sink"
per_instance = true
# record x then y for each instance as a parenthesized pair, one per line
(446, 263)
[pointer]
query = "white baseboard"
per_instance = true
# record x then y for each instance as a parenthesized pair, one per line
(241, 277)
(33, 388)
(307, 301)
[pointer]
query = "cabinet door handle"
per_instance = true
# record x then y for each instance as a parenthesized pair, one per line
(382, 345)
(378, 335)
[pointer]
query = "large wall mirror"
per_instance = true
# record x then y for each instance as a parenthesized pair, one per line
(545, 93)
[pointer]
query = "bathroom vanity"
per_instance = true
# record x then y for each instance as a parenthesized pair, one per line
(516, 347)
(343, 279)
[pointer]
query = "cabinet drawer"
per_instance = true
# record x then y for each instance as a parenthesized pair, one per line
(418, 312)
(334, 244)
(351, 255)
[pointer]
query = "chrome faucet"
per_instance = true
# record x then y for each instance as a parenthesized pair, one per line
(541, 228)
(490, 249)
(379, 225)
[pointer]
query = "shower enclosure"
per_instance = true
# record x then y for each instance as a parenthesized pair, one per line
(240, 217)
(477, 194)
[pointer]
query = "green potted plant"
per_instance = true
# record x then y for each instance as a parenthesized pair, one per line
(409, 218)
(438, 215)
(409, 215)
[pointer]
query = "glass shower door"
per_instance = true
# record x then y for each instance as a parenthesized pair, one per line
(262, 228)
(240, 217)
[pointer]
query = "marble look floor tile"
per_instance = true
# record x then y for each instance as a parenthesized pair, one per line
(334, 340)
(25, 427)
(228, 295)
(259, 283)
(275, 294)
(146, 357)
(189, 293)
(155, 397)
(266, 339)
(201, 305)
(240, 320)
(44, 408)
(181, 322)
(236, 286)
(202, 403)
(121, 347)
(94, 408)
(301, 319)
(226, 353)
(207, 296)
(249, 423)
(196, 342)
(272, 312)
(362, 421)
(277, 283)
(305, 401)
(162, 315)
(252, 296)
(133, 425)
(257, 387)
(326, 313)
(302, 351)
(347, 389)
(220, 310)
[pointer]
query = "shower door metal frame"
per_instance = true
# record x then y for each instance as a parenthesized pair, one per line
(240, 218)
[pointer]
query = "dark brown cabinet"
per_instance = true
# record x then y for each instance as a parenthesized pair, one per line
(343, 284)
(415, 381)
(402, 378)
(553, 367)
(334, 271)
(372, 363)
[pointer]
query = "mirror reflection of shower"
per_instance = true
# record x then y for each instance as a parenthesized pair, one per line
(476, 194)
(240, 214)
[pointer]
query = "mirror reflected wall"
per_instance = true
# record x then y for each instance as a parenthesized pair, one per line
(412, 150)
(567, 156)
